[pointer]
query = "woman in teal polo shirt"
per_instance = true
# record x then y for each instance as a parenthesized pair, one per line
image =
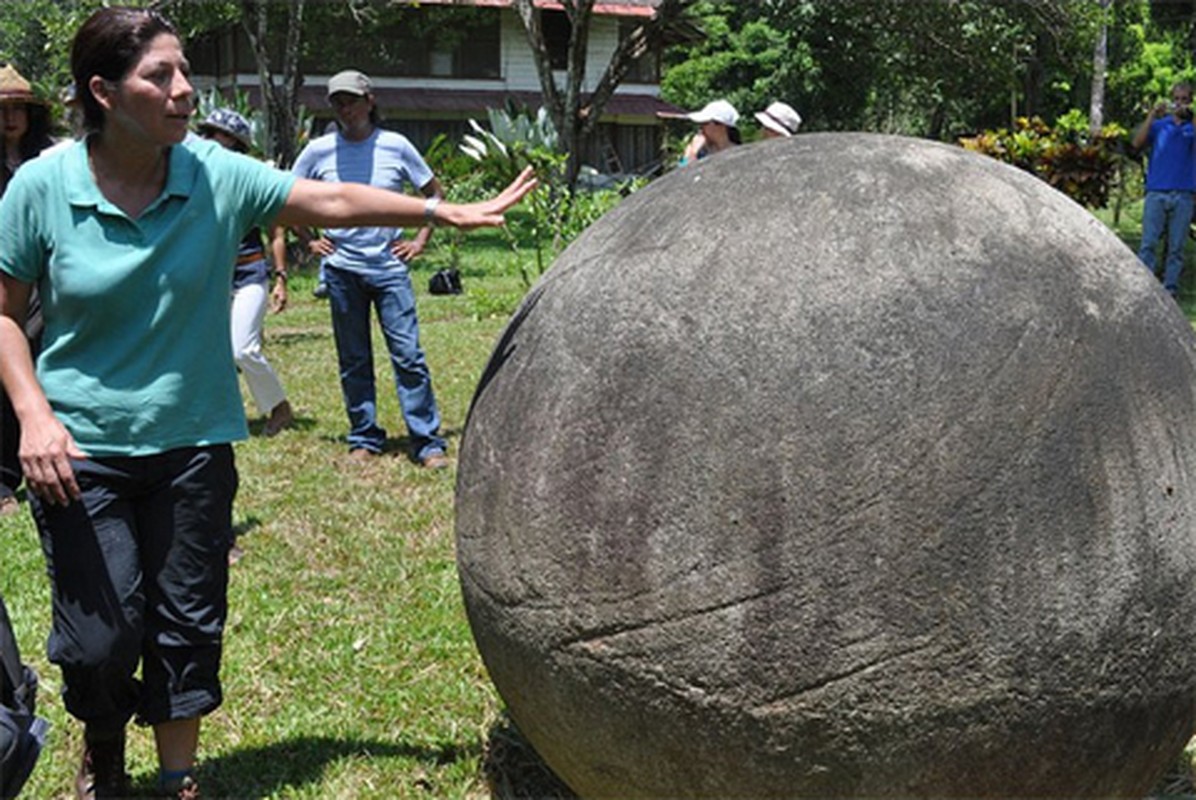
(130, 236)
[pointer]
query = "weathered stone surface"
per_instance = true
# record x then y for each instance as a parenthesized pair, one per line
(840, 466)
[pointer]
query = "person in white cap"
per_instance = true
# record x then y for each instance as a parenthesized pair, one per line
(778, 121)
(366, 267)
(717, 131)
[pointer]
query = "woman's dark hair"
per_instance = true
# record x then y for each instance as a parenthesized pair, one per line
(109, 44)
(37, 138)
(734, 135)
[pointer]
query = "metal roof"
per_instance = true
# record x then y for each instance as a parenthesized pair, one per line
(618, 8)
(475, 102)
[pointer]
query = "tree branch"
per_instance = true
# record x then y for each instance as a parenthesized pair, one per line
(643, 39)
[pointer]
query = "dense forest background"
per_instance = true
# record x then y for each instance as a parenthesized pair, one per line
(941, 68)
(933, 68)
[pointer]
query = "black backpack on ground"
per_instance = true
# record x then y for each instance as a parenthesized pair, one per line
(21, 733)
(445, 281)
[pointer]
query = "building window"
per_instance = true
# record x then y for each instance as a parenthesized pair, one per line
(415, 42)
(646, 68)
(557, 30)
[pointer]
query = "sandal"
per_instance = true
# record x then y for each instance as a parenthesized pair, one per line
(8, 502)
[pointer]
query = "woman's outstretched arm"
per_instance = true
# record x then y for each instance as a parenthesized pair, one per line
(349, 205)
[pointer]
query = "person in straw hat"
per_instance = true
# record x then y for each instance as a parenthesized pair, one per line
(778, 121)
(25, 120)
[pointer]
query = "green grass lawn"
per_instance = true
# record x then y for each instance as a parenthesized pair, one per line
(1124, 217)
(349, 668)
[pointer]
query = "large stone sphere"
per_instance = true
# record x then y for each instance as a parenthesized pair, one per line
(843, 465)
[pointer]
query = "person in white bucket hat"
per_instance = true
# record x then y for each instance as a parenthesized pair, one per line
(778, 121)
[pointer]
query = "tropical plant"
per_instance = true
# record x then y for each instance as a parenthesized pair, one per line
(1083, 165)
(514, 141)
(239, 101)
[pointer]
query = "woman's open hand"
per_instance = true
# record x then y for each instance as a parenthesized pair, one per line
(488, 213)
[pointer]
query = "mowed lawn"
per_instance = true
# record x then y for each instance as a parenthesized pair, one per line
(349, 669)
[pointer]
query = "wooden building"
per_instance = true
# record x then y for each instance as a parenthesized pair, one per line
(464, 57)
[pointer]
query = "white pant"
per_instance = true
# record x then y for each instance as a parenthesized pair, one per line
(249, 312)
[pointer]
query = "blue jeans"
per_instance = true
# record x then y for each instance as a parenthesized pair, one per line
(350, 295)
(1170, 212)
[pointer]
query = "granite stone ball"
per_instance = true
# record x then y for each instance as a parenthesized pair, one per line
(837, 466)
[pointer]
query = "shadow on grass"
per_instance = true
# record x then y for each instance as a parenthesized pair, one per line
(257, 426)
(267, 771)
(515, 771)
(281, 336)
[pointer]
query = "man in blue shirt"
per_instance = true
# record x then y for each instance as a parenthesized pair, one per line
(367, 267)
(1170, 182)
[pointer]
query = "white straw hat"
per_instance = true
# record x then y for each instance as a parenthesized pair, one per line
(780, 118)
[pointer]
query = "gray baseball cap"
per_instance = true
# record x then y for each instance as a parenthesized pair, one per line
(350, 81)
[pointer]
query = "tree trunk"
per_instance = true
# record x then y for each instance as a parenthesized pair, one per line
(1100, 63)
(579, 13)
(281, 101)
(575, 119)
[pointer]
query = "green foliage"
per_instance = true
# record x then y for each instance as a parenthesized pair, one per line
(349, 669)
(448, 162)
(1083, 166)
(1147, 65)
(486, 303)
(239, 102)
(36, 35)
(751, 54)
(552, 215)
(920, 68)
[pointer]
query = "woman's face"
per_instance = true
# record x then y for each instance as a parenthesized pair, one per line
(14, 117)
(154, 101)
(221, 138)
(715, 133)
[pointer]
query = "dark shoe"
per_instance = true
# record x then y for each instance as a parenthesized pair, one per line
(102, 770)
(321, 290)
(280, 417)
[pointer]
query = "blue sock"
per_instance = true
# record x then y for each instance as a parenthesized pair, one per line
(172, 777)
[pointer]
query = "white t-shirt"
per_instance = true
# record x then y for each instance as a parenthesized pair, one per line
(384, 159)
